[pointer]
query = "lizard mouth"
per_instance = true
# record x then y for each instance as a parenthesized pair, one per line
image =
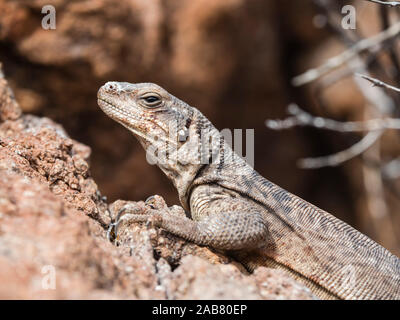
(111, 109)
(127, 119)
(118, 114)
(104, 103)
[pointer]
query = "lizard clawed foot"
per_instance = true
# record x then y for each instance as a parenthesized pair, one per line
(112, 232)
(137, 212)
(156, 202)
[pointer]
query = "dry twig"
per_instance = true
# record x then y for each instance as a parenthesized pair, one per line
(347, 55)
(302, 118)
(378, 83)
(387, 3)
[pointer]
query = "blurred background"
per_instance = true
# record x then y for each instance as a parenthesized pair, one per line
(232, 59)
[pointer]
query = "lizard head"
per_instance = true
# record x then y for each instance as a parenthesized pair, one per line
(147, 110)
(162, 123)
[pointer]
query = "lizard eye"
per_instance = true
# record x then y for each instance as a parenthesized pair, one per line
(151, 100)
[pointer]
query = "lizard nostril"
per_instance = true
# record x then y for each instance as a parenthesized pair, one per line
(110, 86)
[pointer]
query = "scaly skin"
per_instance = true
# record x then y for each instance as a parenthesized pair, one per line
(231, 207)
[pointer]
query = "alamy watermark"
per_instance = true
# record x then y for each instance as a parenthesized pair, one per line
(207, 146)
(49, 20)
(49, 277)
(350, 19)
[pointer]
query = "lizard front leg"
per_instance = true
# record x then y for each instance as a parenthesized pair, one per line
(224, 230)
(232, 230)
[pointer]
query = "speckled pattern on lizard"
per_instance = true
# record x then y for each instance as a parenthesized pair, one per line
(231, 207)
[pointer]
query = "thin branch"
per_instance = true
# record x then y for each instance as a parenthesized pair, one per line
(387, 3)
(378, 83)
(302, 118)
(385, 22)
(377, 98)
(338, 158)
(347, 55)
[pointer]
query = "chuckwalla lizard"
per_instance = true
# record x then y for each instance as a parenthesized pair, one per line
(233, 208)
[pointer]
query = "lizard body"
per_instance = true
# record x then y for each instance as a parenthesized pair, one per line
(233, 208)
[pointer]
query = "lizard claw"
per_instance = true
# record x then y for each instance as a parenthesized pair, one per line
(112, 232)
(150, 202)
(156, 202)
(111, 236)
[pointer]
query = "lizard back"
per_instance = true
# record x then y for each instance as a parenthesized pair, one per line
(324, 252)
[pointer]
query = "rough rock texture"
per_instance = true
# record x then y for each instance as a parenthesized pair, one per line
(9, 109)
(54, 235)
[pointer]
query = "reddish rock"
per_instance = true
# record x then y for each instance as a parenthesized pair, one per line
(9, 109)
